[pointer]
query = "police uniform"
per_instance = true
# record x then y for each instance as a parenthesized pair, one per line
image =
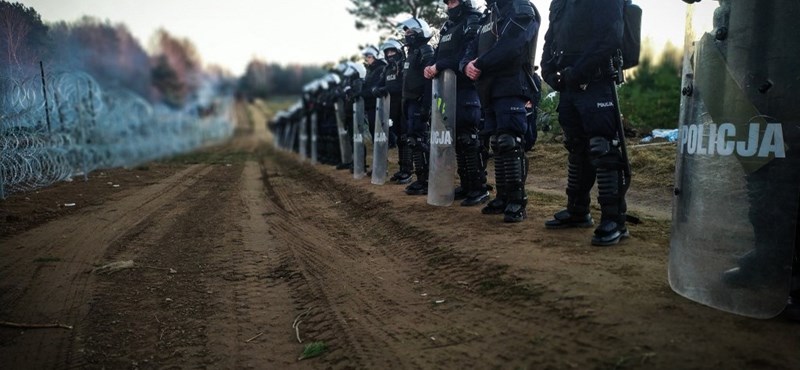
(416, 106)
(460, 30)
(503, 52)
(391, 83)
(372, 80)
(579, 44)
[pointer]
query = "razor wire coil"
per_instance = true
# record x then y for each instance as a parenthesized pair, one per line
(90, 129)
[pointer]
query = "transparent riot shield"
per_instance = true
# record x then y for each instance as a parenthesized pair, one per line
(314, 124)
(442, 167)
(303, 150)
(359, 150)
(345, 148)
(380, 146)
(736, 182)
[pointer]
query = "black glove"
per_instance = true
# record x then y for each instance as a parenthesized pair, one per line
(569, 78)
(554, 80)
(379, 91)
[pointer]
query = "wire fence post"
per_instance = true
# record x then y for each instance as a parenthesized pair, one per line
(44, 92)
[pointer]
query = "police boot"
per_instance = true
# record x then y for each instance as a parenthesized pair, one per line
(497, 205)
(420, 158)
(580, 179)
(471, 170)
(403, 176)
(510, 174)
(612, 184)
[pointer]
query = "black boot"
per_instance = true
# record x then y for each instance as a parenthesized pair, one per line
(403, 176)
(510, 174)
(612, 185)
(420, 157)
(497, 205)
(580, 179)
(471, 171)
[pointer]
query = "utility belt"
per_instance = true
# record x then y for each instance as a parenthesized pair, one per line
(599, 74)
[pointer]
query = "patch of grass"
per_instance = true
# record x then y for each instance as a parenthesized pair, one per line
(313, 349)
(47, 259)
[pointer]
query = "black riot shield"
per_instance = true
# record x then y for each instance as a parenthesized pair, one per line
(359, 150)
(314, 123)
(345, 148)
(736, 182)
(442, 168)
(380, 146)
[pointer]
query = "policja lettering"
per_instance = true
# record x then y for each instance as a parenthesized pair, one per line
(716, 141)
(441, 138)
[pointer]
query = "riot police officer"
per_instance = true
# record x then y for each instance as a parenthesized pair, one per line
(579, 44)
(460, 30)
(500, 61)
(392, 84)
(373, 59)
(416, 99)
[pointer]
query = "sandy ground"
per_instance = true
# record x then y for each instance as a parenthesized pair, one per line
(242, 251)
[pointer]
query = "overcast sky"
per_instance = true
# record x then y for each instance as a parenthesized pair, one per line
(230, 33)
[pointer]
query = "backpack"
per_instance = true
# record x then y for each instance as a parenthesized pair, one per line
(632, 34)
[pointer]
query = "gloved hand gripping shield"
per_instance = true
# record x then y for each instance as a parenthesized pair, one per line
(736, 180)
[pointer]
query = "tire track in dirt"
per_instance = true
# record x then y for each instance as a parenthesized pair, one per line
(159, 314)
(67, 249)
(486, 309)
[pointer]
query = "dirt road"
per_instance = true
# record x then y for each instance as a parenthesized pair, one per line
(241, 251)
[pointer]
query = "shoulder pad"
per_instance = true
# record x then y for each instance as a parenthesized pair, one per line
(523, 9)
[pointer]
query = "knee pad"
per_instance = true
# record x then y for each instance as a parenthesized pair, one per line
(605, 154)
(468, 142)
(508, 143)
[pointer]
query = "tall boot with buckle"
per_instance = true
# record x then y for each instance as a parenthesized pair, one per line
(612, 185)
(580, 179)
(511, 172)
(420, 152)
(497, 205)
(471, 170)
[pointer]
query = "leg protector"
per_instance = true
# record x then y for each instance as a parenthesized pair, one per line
(405, 160)
(612, 185)
(580, 179)
(510, 174)
(498, 204)
(420, 153)
(471, 169)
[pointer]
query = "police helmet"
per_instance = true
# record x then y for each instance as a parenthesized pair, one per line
(417, 26)
(371, 51)
(391, 44)
(333, 78)
(354, 68)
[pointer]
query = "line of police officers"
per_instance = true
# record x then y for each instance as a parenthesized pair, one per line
(497, 95)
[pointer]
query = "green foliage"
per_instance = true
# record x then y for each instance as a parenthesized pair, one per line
(24, 38)
(651, 97)
(313, 350)
(380, 14)
(265, 80)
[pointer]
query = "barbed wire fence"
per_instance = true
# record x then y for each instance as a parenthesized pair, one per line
(62, 125)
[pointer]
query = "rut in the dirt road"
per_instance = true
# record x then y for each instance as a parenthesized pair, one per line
(384, 292)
